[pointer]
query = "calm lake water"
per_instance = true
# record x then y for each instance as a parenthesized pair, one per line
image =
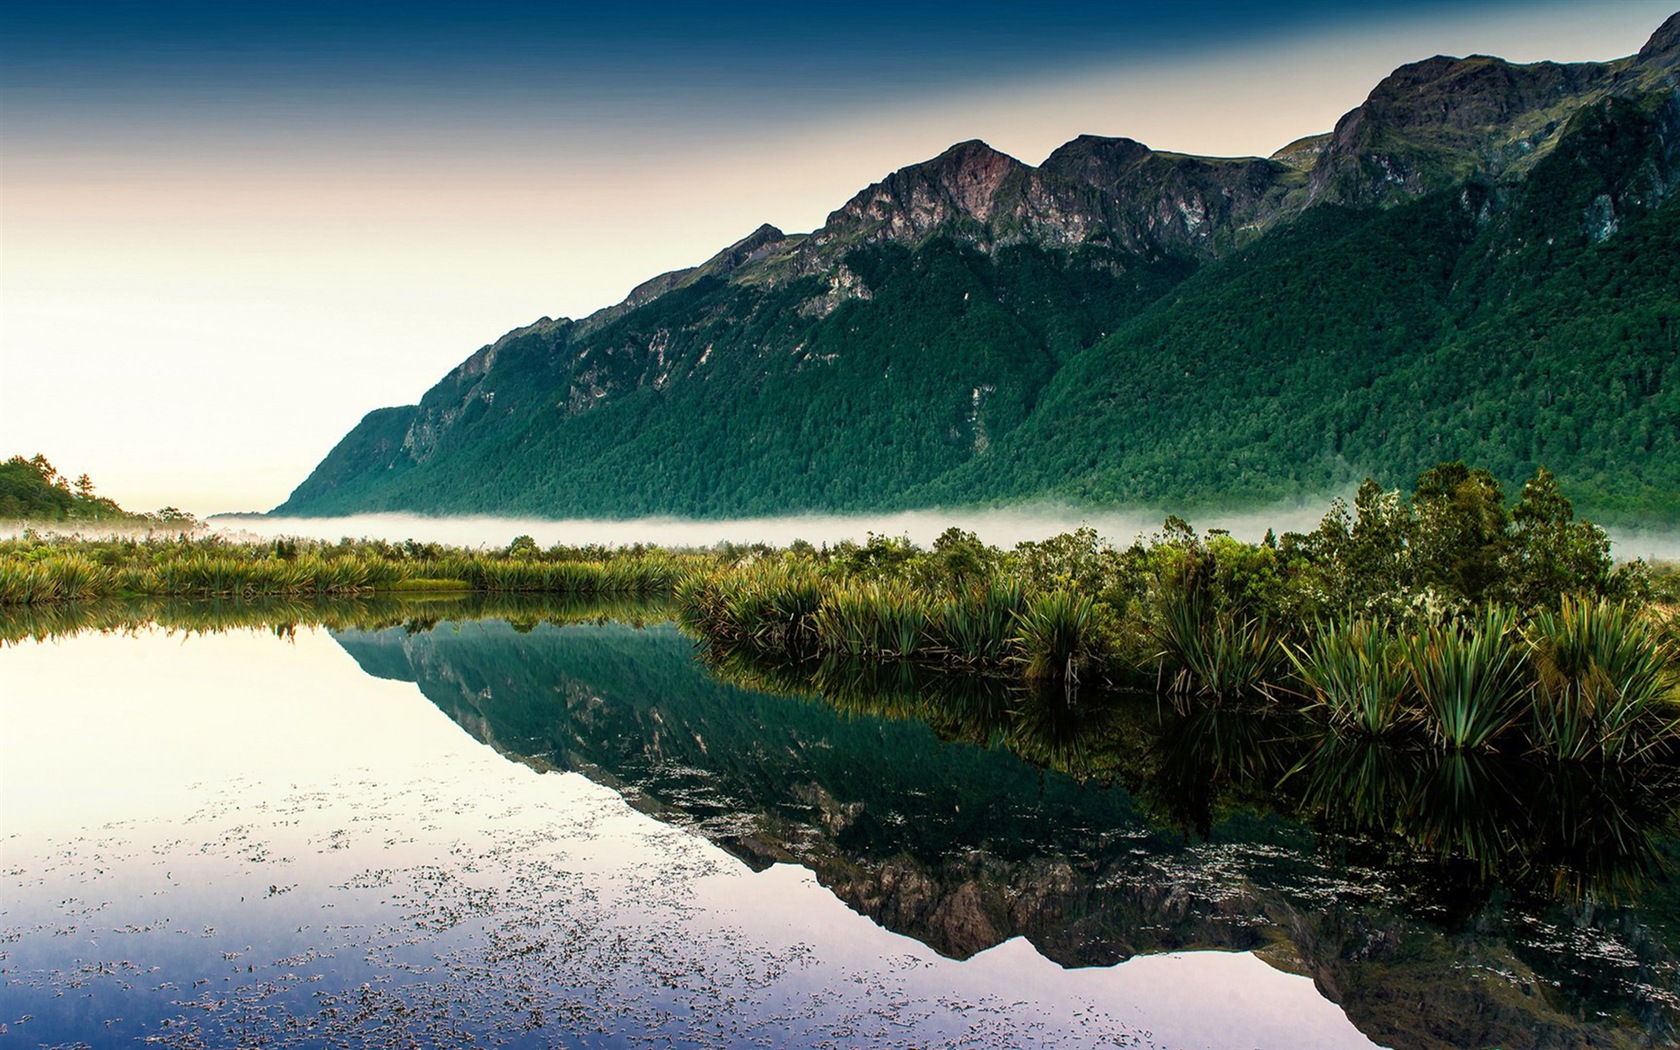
(467, 825)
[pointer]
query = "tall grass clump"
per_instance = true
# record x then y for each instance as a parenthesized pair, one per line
(1470, 677)
(1055, 635)
(879, 618)
(1216, 655)
(1358, 673)
(767, 606)
(977, 626)
(1604, 684)
(640, 575)
(772, 607)
(60, 577)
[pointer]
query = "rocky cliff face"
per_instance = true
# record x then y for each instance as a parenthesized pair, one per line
(1012, 273)
(1112, 192)
(1433, 124)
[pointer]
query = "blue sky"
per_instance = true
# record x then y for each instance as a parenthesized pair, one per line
(241, 227)
(132, 68)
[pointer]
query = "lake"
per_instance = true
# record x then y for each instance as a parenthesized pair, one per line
(469, 823)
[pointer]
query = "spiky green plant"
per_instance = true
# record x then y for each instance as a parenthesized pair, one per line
(977, 625)
(881, 618)
(1216, 655)
(1357, 672)
(1604, 681)
(1472, 678)
(1054, 635)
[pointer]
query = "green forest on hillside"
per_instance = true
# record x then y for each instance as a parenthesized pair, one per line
(1521, 325)
(1377, 343)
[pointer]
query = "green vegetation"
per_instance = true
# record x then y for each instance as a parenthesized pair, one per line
(723, 398)
(1504, 321)
(1470, 677)
(32, 490)
(1495, 327)
(1446, 615)
(36, 571)
(1604, 683)
(1356, 671)
(414, 612)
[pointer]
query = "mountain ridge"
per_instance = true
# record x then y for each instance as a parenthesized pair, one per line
(920, 326)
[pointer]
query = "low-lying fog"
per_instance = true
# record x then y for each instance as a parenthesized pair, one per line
(1000, 527)
(1003, 528)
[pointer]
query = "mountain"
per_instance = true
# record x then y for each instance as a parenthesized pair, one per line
(1478, 262)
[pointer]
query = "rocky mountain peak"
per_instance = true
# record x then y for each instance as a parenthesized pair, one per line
(1470, 94)
(748, 249)
(1664, 45)
(1434, 123)
(965, 182)
(1094, 159)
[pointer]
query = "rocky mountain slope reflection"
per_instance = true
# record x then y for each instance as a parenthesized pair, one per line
(1439, 901)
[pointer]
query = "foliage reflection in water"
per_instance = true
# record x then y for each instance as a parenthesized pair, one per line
(1100, 826)
(1440, 898)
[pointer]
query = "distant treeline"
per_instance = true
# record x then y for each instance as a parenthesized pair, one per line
(33, 490)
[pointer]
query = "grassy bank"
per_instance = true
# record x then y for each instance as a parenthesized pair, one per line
(35, 571)
(410, 610)
(1445, 616)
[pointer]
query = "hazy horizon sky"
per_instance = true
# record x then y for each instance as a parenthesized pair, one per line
(225, 235)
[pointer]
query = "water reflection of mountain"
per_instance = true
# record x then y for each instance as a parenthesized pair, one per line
(962, 845)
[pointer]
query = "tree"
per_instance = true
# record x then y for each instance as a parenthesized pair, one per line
(48, 472)
(1550, 553)
(1459, 535)
(522, 546)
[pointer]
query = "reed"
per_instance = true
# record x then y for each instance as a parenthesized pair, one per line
(977, 627)
(1358, 674)
(215, 569)
(63, 577)
(1055, 635)
(283, 615)
(1472, 678)
(873, 618)
(1216, 655)
(1604, 684)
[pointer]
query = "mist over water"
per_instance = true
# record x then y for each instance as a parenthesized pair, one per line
(1651, 544)
(999, 527)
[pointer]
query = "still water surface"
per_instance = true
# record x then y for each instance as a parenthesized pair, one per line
(507, 831)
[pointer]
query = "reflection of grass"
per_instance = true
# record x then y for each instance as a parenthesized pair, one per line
(1562, 829)
(415, 612)
(1569, 831)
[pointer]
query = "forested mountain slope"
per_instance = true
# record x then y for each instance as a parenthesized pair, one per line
(1480, 262)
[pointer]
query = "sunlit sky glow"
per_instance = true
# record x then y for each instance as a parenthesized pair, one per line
(226, 235)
